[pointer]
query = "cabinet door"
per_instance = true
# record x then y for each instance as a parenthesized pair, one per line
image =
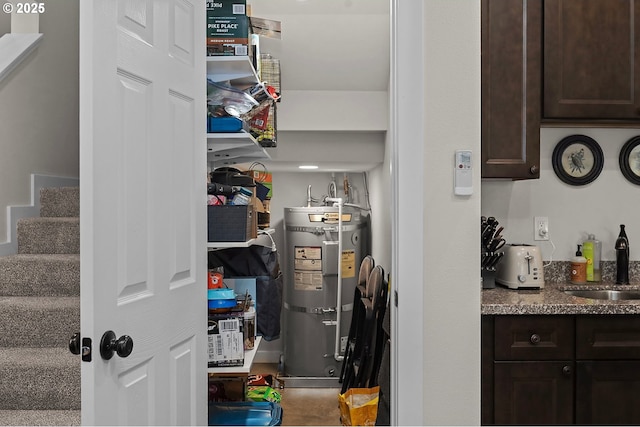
(538, 393)
(511, 87)
(591, 58)
(486, 363)
(608, 392)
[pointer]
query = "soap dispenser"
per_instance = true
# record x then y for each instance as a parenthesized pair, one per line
(622, 257)
(578, 269)
(592, 251)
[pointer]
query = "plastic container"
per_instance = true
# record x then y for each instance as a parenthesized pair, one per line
(242, 197)
(592, 251)
(249, 328)
(234, 101)
(245, 414)
(578, 269)
(221, 298)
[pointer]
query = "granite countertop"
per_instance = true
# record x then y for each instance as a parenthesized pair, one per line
(551, 299)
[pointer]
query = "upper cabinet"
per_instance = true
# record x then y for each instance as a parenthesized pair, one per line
(511, 88)
(591, 60)
(554, 62)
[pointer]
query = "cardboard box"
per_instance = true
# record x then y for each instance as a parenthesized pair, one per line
(226, 342)
(227, 28)
(223, 388)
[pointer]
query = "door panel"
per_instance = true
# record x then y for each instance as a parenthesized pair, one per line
(538, 393)
(143, 193)
(607, 392)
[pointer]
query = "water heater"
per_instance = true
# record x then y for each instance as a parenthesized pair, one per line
(324, 248)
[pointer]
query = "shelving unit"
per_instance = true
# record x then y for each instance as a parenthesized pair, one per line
(262, 239)
(237, 70)
(249, 356)
(233, 147)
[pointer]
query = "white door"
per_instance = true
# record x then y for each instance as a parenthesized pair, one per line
(143, 215)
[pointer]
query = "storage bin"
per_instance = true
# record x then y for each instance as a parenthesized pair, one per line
(231, 223)
(245, 414)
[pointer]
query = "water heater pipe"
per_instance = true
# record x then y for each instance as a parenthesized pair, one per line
(339, 203)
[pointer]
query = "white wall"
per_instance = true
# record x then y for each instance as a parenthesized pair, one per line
(436, 85)
(574, 211)
(39, 109)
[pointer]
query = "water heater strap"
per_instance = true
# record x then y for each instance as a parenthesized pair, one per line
(316, 310)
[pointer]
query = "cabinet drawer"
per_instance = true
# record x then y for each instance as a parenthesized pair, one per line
(534, 337)
(608, 337)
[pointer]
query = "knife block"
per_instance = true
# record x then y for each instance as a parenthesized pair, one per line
(488, 274)
(488, 279)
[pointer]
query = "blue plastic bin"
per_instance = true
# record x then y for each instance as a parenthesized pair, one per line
(245, 414)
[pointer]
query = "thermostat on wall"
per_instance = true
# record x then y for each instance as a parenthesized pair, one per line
(463, 176)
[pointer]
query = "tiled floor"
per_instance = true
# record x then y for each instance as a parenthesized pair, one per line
(305, 406)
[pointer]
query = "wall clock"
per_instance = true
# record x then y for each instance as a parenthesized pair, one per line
(577, 160)
(630, 160)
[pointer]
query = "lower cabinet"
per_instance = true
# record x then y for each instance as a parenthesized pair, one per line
(534, 392)
(608, 392)
(561, 369)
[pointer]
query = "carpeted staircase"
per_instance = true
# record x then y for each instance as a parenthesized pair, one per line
(39, 312)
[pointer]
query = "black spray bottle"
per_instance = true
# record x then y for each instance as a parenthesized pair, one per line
(622, 257)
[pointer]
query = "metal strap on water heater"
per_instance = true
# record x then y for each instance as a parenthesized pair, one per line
(316, 310)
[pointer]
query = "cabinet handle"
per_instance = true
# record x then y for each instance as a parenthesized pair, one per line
(535, 339)
(566, 370)
(533, 169)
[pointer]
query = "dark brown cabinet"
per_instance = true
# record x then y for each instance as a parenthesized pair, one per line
(555, 63)
(607, 393)
(533, 370)
(511, 86)
(561, 369)
(538, 393)
(591, 57)
(608, 370)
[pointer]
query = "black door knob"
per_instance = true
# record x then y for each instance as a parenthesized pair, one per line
(74, 343)
(109, 344)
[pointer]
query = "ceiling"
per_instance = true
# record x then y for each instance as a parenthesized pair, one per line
(329, 44)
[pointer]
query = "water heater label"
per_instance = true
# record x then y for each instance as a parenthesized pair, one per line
(348, 264)
(307, 266)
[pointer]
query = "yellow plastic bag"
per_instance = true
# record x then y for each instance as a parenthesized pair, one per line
(359, 406)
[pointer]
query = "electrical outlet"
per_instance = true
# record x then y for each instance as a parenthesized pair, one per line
(541, 228)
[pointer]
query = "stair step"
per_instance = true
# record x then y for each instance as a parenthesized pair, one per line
(40, 418)
(60, 202)
(40, 275)
(49, 236)
(38, 321)
(39, 378)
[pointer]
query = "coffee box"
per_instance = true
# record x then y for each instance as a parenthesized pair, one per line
(227, 28)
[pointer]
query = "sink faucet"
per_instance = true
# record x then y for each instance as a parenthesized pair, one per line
(622, 257)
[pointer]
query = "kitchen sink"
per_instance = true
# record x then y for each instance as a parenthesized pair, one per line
(607, 294)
